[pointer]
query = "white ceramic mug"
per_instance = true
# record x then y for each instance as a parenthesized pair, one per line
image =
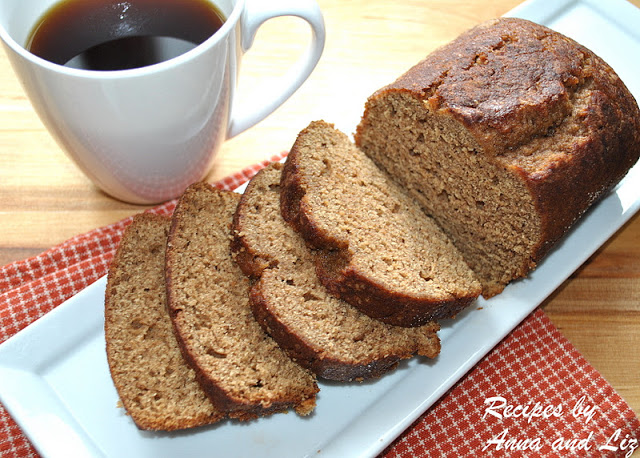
(144, 134)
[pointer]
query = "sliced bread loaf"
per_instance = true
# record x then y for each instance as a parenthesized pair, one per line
(319, 331)
(506, 136)
(377, 249)
(156, 386)
(239, 366)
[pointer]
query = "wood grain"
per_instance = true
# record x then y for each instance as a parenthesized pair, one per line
(45, 199)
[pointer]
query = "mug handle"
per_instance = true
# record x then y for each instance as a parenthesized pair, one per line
(255, 14)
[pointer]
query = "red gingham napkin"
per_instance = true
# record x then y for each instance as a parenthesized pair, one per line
(533, 395)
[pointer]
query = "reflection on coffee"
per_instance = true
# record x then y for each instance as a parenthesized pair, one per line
(118, 35)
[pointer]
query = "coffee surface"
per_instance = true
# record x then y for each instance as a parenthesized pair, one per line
(119, 35)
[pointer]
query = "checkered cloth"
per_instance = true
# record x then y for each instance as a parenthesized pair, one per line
(533, 395)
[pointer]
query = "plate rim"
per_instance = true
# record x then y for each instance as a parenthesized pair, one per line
(530, 9)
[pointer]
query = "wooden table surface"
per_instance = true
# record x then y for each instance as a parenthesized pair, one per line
(45, 199)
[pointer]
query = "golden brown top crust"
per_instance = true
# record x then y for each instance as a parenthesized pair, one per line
(508, 80)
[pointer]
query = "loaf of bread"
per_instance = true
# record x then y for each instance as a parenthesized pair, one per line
(319, 331)
(377, 250)
(465, 172)
(156, 387)
(505, 136)
(239, 366)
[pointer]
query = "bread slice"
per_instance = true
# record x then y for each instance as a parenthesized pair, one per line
(377, 250)
(156, 386)
(506, 136)
(332, 338)
(240, 367)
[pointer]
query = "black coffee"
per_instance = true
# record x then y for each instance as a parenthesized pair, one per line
(119, 35)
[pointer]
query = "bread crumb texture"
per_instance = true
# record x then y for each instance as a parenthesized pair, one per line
(156, 387)
(239, 365)
(321, 331)
(379, 251)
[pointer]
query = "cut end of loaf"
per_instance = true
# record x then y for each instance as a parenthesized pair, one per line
(482, 206)
(506, 136)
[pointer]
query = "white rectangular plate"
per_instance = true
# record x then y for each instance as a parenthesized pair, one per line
(55, 382)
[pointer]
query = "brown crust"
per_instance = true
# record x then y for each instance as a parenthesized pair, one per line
(379, 302)
(329, 368)
(507, 80)
(567, 189)
(304, 354)
(339, 277)
(510, 81)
